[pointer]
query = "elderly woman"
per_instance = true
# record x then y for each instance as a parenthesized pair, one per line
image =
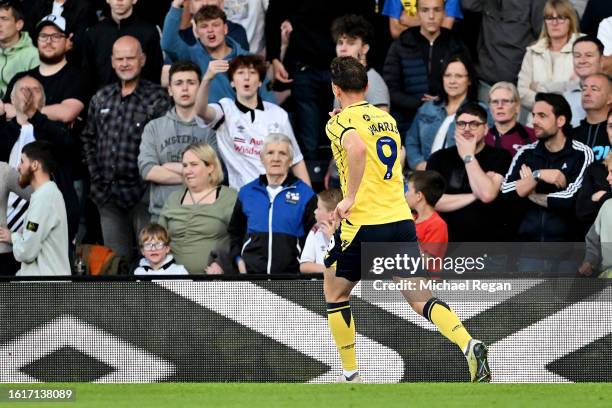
(272, 214)
(197, 216)
(433, 127)
(507, 133)
(548, 64)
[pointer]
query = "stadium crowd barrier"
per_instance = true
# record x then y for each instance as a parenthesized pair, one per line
(257, 329)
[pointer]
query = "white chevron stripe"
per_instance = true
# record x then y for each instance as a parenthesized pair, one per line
(272, 315)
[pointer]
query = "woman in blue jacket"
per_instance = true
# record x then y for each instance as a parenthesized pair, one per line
(433, 127)
(272, 214)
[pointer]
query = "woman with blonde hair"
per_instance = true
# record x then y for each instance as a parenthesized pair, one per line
(197, 216)
(548, 64)
(507, 133)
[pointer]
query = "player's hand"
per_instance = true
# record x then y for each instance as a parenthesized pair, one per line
(5, 234)
(177, 3)
(343, 209)
(213, 269)
(280, 73)
(586, 269)
(335, 112)
(554, 176)
(216, 67)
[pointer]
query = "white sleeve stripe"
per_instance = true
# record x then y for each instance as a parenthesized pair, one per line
(573, 187)
(510, 186)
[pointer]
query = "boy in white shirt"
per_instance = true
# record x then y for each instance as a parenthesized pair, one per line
(317, 241)
(154, 244)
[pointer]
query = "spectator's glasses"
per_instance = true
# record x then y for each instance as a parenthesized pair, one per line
(501, 102)
(154, 246)
(557, 19)
(473, 124)
(56, 37)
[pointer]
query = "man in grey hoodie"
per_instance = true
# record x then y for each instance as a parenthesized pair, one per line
(165, 138)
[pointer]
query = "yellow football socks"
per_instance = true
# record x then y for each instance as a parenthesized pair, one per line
(342, 327)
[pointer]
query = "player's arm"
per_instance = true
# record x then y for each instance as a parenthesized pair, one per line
(355, 149)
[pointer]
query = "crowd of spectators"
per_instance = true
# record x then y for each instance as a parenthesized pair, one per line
(192, 132)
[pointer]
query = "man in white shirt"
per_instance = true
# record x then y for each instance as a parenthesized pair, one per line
(42, 246)
(243, 123)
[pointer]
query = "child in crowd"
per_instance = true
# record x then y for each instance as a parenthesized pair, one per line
(154, 244)
(424, 190)
(311, 260)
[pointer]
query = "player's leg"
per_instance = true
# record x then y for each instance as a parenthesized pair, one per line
(340, 319)
(341, 275)
(450, 326)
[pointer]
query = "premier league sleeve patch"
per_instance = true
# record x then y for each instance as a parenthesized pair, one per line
(32, 226)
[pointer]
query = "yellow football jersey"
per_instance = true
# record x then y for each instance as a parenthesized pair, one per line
(380, 198)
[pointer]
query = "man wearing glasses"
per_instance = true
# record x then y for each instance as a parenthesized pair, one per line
(473, 172)
(16, 49)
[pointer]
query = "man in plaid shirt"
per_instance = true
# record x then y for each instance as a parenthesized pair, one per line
(117, 116)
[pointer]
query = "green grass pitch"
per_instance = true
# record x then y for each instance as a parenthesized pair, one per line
(403, 395)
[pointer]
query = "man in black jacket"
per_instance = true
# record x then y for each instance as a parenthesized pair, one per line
(305, 67)
(98, 44)
(545, 176)
(413, 66)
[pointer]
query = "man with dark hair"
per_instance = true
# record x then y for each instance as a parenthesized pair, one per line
(243, 121)
(588, 54)
(111, 139)
(234, 30)
(42, 246)
(99, 39)
(365, 143)
(413, 68)
(597, 102)
(305, 66)
(545, 176)
(474, 172)
(210, 29)
(164, 139)
(16, 47)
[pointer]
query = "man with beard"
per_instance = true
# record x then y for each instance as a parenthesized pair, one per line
(62, 82)
(42, 246)
(546, 175)
(117, 115)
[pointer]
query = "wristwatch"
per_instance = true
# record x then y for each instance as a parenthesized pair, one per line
(468, 158)
(536, 175)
